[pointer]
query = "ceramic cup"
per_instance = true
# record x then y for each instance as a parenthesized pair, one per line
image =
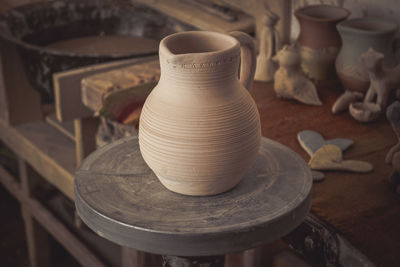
(319, 40)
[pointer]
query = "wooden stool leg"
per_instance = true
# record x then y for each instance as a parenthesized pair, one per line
(211, 261)
(36, 236)
(85, 137)
(37, 241)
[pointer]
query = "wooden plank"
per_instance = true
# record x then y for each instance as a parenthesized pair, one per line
(66, 128)
(123, 84)
(52, 225)
(48, 151)
(85, 137)
(37, 238)
(199, 17)
(19, 102)
(67, 88)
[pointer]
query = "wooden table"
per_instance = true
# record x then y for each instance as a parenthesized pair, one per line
(121, 199)
(362, 207)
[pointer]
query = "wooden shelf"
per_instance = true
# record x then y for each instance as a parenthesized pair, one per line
(48, 151)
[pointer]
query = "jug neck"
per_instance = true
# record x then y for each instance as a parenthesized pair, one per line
(219, 69)
(206, 57)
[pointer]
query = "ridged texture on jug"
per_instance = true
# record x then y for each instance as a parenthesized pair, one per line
(199, 128)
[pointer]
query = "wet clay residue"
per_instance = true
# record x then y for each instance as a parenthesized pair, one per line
(107, 44)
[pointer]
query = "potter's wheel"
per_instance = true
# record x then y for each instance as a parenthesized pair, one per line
(121, 199)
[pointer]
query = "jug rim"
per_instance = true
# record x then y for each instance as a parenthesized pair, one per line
(168, 50)
(381, 27)
(300, 13)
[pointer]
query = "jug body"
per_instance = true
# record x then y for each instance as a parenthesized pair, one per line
(199, 130)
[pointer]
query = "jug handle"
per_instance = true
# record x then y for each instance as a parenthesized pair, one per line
(248, 58)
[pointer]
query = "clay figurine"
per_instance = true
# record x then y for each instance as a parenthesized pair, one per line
(268, 47)
(393, 156)
(290, 82)
(382, 82)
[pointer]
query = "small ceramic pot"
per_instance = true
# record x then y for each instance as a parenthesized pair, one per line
(358, 35)
(319, 40)
(364, 111)
(199, 129)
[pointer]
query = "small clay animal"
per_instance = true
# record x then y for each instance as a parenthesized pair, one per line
(382, 80)
(290, 82)
(393, 156)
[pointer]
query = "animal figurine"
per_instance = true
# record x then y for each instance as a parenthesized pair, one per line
(382, 82)
(393, 156)
(290, 82)
(268, 47)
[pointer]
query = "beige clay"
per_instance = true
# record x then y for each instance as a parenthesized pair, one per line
(290, 82)
(329, 157)
(199, 128)
(343, 102)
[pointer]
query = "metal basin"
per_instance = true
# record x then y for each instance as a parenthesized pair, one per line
(31, 28)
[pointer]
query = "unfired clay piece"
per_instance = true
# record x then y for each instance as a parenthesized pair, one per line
(269, 45)
(343, 102)
(290, 82)
(311, 141)
(199, 129)
(382, 82)
(329, 157)
(364, 111)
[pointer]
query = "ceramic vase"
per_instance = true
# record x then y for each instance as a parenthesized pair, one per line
(199, 129)
(319, 41)
(358, 36)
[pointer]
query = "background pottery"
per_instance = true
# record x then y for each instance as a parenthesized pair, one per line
(358, 35)
(319, 41)
(199, 129)
(33, 29)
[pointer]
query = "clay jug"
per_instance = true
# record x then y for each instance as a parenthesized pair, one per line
(319, 41)
(199, 129)
(358, 36)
